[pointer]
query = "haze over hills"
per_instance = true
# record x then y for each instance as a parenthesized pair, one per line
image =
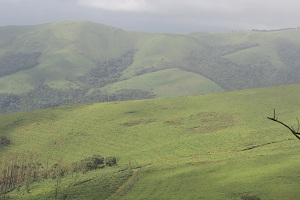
(81, 62)
(213, 146)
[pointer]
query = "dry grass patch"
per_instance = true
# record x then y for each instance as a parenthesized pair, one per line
(175, 122)
(132, 122)
(211, 122)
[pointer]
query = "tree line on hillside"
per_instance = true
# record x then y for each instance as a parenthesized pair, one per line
(274, 30)
(21, 170)
(44, 96)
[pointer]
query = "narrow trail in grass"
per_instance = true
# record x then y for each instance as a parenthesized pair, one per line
(261, 145)
(123, 189)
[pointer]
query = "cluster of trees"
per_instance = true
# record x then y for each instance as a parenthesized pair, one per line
(94, 162)
(17, 171)
(108, 71)
(22, 170)
(105, 73)
(11, 63)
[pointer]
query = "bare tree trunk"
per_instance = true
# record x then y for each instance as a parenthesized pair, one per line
(57, 187)
(294, 132)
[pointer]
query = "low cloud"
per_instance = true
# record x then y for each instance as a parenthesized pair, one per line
(233, 13)
(119, 5)
(158, 15)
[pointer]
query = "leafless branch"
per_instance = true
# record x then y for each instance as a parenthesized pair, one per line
(295, 133)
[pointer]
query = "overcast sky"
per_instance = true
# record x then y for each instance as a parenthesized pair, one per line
(158, 15)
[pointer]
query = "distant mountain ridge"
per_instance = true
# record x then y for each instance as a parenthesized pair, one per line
(78, 62)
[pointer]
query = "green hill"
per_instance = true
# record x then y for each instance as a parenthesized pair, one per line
(77, 61)
(68, 50)
(214, 146)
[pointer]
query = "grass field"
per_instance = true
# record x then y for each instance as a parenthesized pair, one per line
(217, 146)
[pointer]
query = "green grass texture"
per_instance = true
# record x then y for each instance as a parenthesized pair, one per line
(213, 146)
(167, 83)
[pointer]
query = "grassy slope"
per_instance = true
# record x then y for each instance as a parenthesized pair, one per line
(189, 147)
(267, 49)
(157, 48)
(167, 83)
(69, 49)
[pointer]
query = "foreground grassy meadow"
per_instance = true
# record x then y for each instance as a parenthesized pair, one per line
(216, 146)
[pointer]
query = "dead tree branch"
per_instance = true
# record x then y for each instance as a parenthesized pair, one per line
(295, 133)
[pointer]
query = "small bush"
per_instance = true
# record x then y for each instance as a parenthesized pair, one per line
(111, 161)
(249, 197)
(92, 163)
(4, 141)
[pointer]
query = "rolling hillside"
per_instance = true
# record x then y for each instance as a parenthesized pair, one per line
(83, 62)
(167, 83)
(214, 146)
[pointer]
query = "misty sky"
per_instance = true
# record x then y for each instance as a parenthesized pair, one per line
(158, 15)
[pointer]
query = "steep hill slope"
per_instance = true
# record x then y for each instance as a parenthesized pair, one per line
(216, 146)
(77, 61)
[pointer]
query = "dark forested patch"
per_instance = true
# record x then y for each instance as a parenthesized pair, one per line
(231, 76)
(11, 63)
(47, 97)
(108, 71)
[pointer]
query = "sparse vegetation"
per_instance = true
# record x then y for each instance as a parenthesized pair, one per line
(19, 170)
